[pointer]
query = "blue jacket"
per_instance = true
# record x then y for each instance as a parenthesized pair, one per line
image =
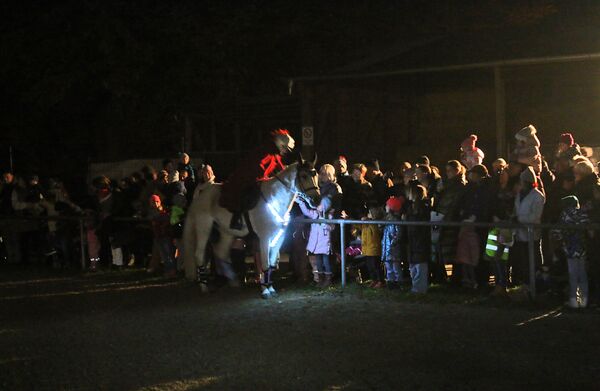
(391, 241)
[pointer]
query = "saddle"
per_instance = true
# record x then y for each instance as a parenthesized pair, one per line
(247, 200)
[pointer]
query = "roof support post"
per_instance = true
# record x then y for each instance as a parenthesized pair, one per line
(500, 96)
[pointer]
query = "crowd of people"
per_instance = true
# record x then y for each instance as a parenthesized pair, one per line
(525, 187)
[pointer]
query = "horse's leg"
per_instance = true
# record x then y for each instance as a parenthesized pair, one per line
(222, 251)
(196, 235)
(266, 282)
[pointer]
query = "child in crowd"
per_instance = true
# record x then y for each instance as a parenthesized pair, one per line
(574, 246)
(319, 240)
(162, 235)
(370, 237)
(419, 243)
(391, 242)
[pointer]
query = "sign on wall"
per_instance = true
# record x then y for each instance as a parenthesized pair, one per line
(308, 136)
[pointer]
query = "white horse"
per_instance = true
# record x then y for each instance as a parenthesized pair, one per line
(268, 219)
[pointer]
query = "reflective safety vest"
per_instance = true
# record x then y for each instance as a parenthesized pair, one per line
(493, 246)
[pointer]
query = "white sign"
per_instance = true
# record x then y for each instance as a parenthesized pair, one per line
(308, 136)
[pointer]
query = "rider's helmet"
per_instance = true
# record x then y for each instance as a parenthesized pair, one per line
(283, 140)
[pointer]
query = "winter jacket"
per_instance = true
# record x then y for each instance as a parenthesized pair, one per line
(370, 238)
(573, 241)
(477, 201)
(529, 209)
(448, 201)
(391, 241)
(319, 239)
(333, 191)
(419, 237)
(356, 198)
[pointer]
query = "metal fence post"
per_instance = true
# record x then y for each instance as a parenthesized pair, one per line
(530, 237)
(82, 243)
(343, 253)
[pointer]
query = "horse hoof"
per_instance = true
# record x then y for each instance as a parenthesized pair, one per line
(265, 294)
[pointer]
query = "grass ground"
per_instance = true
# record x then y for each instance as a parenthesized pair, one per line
(132, 331)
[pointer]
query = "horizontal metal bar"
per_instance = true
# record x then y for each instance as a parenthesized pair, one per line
(449, 68)
(510, 225)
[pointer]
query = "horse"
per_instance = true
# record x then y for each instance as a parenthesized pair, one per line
(268, 219)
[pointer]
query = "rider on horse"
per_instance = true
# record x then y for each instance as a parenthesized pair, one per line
(257, 166)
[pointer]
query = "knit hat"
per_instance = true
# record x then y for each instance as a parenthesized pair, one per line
(155, 198)
(570, 202)
(395, 204)
(526, 133)
(567, 138)
(468, 144)
(528, 175)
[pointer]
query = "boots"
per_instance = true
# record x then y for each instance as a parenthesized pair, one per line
(326, 281)
(321, 277)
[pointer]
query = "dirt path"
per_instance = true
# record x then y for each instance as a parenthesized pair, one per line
(132, 332)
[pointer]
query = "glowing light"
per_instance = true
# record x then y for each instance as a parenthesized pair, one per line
(282, 219)
(275, 239)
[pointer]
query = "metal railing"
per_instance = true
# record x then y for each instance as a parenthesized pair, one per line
(530, 227)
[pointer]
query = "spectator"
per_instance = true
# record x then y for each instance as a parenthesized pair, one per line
(448, 206)
(370, 237)
(319, 240)
(567, 148)
(162, 236)
(419, 245)
(186, 165)
(10, 236)
(529, 205)
(574, 246)
(378, 182)
(470, 154)
(391, 242)
(428, 180)
(330, 189)
(585, 179)
(498, 166)
(359, 193)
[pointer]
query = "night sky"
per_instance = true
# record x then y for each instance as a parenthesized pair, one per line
(76, 72)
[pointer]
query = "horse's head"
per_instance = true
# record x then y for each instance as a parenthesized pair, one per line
(306, 178)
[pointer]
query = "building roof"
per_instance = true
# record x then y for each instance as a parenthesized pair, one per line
(476, 50)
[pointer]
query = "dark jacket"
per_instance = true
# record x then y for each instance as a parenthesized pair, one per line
(419, 237)
(449, 200)
(357, 198)
(449, 203)
(477, 201)
(381, 191)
